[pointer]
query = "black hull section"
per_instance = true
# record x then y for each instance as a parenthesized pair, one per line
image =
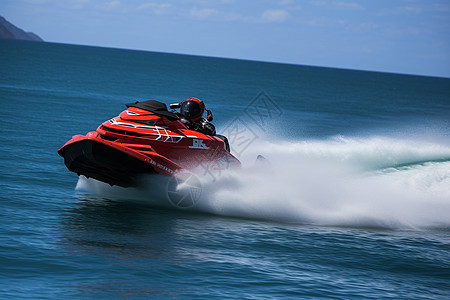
(104, 163)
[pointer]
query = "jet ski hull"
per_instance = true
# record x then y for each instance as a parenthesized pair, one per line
(142, 142)
(94, 159)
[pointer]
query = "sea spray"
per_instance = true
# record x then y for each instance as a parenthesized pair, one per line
(377, 182)
(361, 182)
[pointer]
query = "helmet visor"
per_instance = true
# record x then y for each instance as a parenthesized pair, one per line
(191, 109)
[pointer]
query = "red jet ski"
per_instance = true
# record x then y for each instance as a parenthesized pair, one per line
(144, 139)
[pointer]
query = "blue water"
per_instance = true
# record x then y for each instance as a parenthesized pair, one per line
(354, 204)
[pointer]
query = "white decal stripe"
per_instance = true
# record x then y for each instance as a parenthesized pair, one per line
(161, 131)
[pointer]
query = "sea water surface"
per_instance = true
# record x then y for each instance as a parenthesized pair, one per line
(354, 202)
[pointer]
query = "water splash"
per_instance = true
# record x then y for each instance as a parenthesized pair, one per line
(368, 182)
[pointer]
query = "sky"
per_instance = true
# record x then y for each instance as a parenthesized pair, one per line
(398, 36)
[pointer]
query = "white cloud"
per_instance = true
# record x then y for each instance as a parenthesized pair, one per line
(275, 15)
(411, 9)
(202, 13)
(348, 5)
(111, 5)
(339, 4)
(114, 3)
(157, 8)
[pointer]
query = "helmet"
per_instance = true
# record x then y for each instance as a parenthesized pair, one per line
(192, 108)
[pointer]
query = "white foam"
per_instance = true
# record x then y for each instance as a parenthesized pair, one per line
(378, 181)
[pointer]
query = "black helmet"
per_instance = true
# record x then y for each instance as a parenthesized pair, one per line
(192, 108)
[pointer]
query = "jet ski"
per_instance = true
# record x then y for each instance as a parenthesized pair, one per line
(146, 138)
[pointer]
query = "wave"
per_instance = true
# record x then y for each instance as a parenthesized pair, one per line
(362, 182)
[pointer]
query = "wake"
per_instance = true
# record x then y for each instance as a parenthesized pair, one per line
(360, 182)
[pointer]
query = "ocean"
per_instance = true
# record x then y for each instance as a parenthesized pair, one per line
(353, 202)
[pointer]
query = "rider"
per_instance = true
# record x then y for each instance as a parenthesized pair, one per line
(191, 111)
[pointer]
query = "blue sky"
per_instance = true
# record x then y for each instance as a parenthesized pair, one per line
(400, 36)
